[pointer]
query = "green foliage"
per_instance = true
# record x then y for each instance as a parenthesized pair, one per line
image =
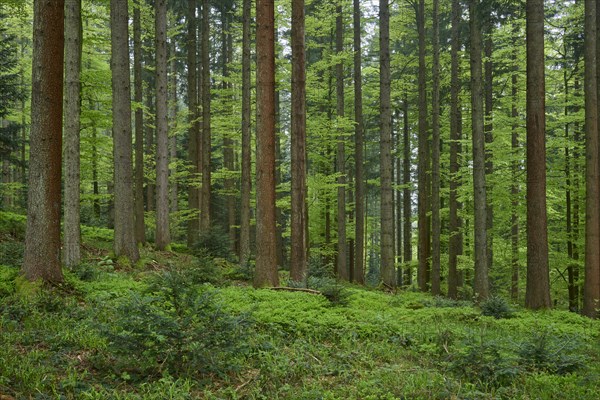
(13, 225)
(445, 302)
(176, 328)
(550, 352)
(11, 253)
(215, 243)
(496, 307)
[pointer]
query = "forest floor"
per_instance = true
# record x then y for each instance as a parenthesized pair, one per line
(184, 325)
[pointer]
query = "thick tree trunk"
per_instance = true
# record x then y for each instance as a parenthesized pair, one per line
(266, 258)
(481, 284)
(193, 227)
(424, 162)
(455, 245)
(436, 225)
(359, 274)
(140, 231)
(341, 260)
(41, 259)
(591, 288)
(124, 241)
(537, 291)
(299, 217)
(163, 236)
(73, 46)
(246, 184)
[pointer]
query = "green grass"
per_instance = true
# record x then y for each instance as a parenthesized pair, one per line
(60, 342)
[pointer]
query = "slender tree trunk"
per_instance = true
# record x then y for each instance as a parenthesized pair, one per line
(406, 196)
(73, 46)
(398, 205)
(140, 231)
(266, 258)
(455, 246)
(385, 148)
(515, 166)
(573, 306)
(436, 225)
(174, 110)
(124, 241)
(591, 289)
(228, 158)
(193, 227)
(342, 262)
(163, 236)
(41, 259)
(246, 186)
(299, 217)
(489, 139)
(359, 268)
(537, 291)
(423, 166)
(481, 284)
(205, 218)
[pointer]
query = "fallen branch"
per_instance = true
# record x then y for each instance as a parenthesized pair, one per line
(291, 289)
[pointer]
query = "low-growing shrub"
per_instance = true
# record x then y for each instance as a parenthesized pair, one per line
(176, 328)
(11, 253)
(552, 353)
(496, 307)
(215, 243)
(444, 302)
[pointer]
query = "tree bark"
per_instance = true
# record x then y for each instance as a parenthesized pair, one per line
(299, 217)
(124, 240)
(73, 47)
(424, 162)
(436, 225)
(481, 284)
(341, 259)
(163, 236)
(515, 192)
(246, 184)
(41, 260)
(266, 258)
(205, 217)
(140, 231)
(193, 227)
(385, 148)
(406, 197)
(455, 246)
(359, 274)
(591, 288)
(537, 291)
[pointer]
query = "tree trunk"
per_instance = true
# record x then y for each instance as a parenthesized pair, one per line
(436, 225)
(140, 231)
(266, 258)
(537, 291)
(41, 259)
(455, 246)
(163, 236)
(193, 227)
(359, 268)
(385, 148)
(515, 167)
(205, 211)
(73, 46)
(423, 165)
(489, 139)
(124, 241)
(591, 289)
(406, 196)
(246, 185)
(174, 103)
(299, 245)
(341, 260)
(481, 284)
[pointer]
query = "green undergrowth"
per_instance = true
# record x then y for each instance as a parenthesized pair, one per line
(187, 325)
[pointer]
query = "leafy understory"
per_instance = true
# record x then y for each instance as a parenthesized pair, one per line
(179, 325)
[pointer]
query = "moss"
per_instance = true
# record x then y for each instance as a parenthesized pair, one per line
(26, 289)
